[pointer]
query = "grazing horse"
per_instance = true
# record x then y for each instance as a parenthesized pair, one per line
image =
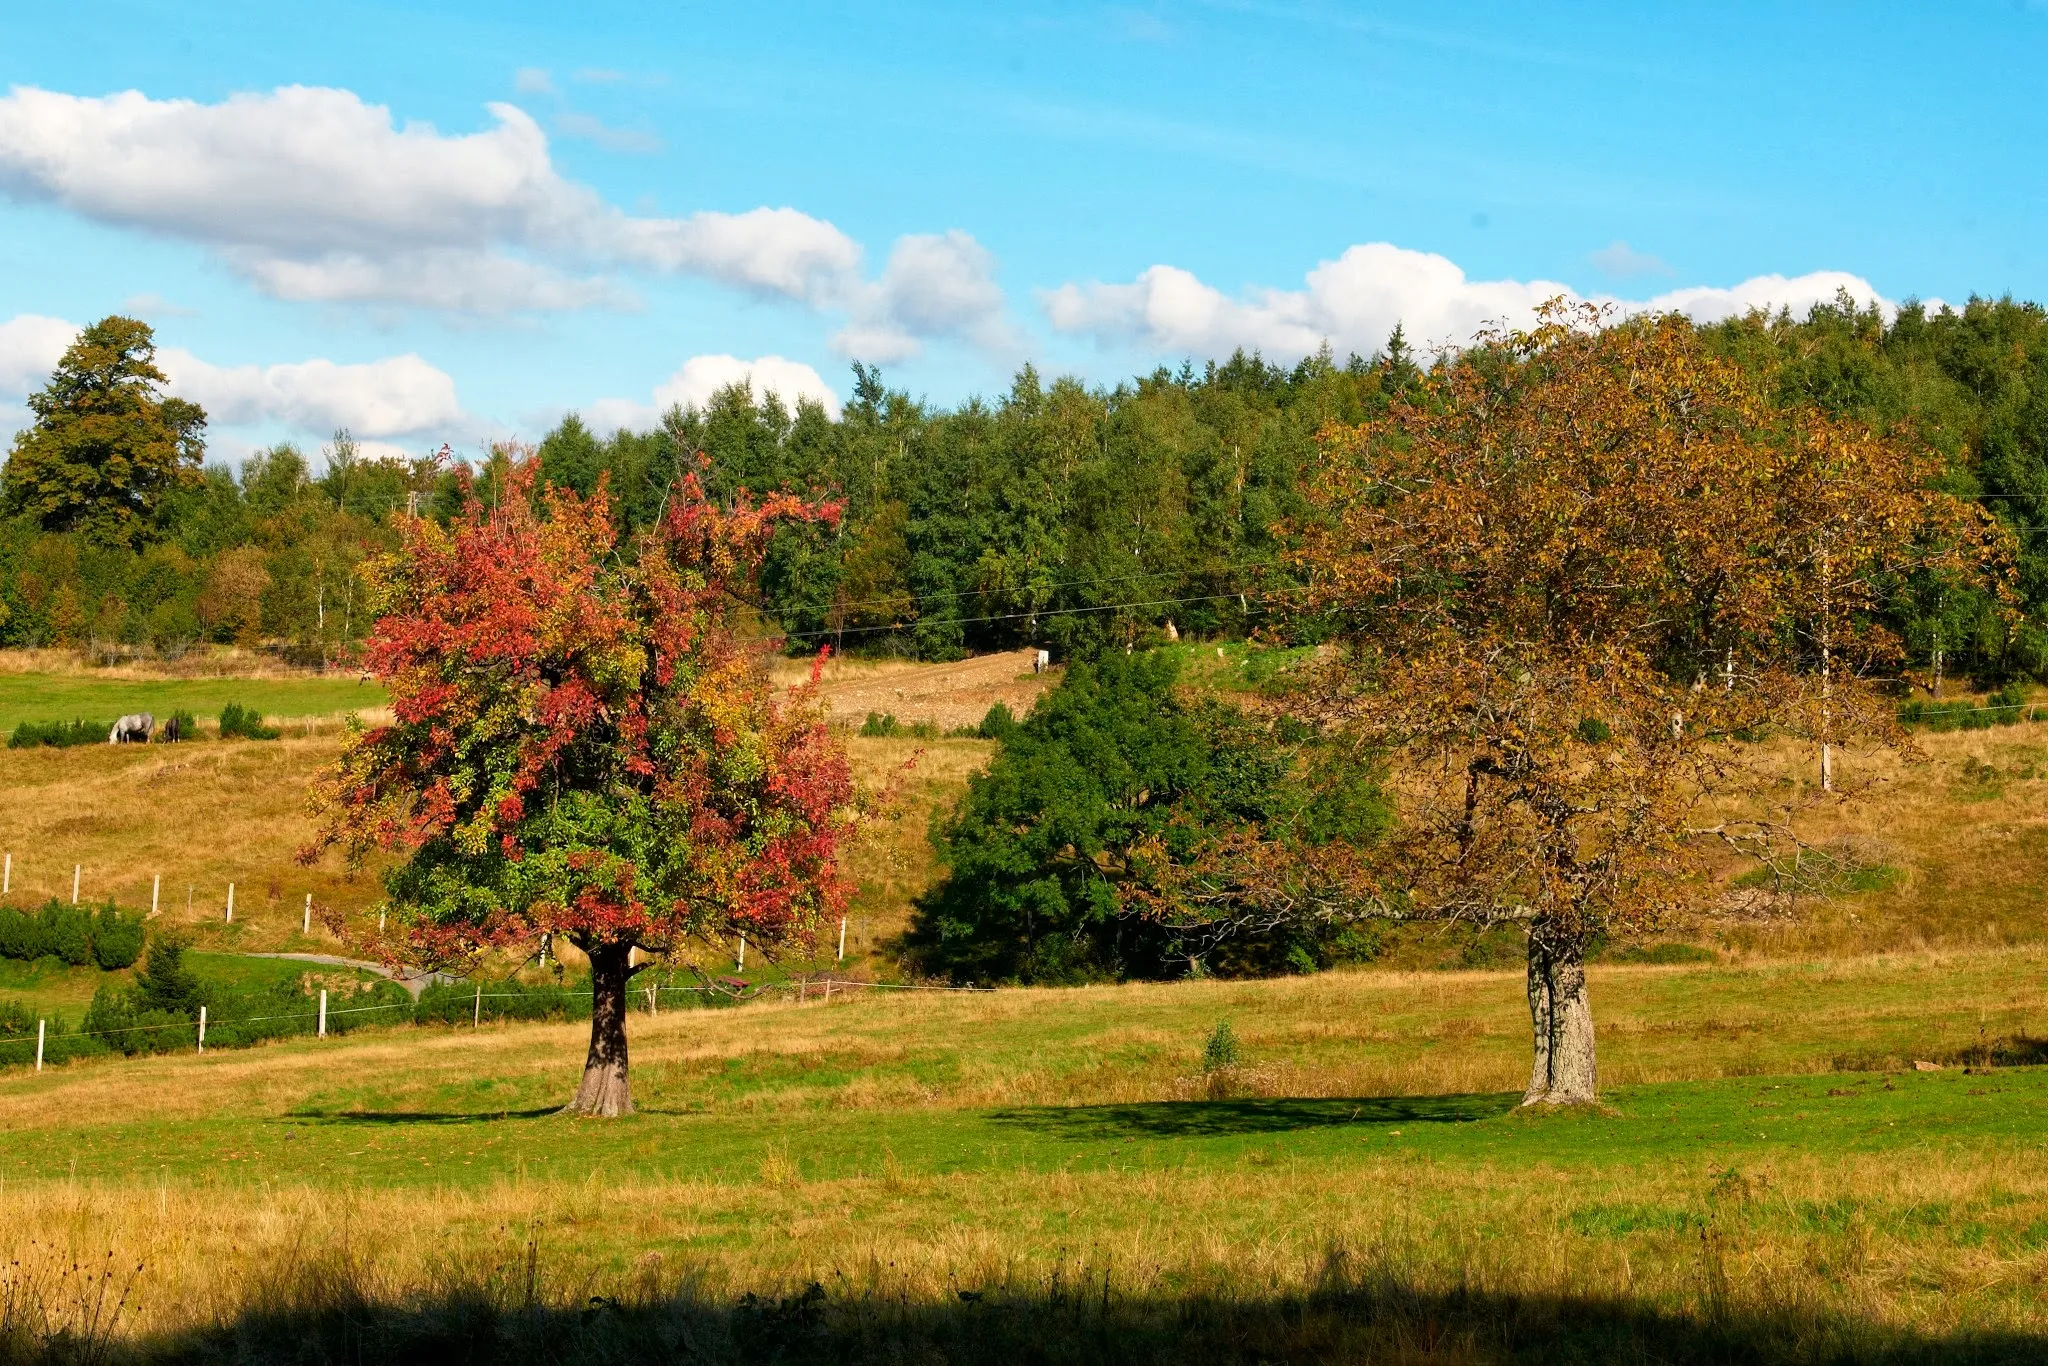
(132, 729)
(172, 732)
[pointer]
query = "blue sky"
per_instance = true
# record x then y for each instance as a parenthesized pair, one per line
(458, 221)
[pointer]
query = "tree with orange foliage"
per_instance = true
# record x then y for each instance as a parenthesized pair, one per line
(1579, 571)
(584, 745)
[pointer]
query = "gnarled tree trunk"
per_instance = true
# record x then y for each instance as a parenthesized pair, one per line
(604, 1091)
(1562, 1020)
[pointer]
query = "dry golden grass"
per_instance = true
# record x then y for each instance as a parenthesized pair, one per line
(1256, 1231)
(218, 661)
(204, 815)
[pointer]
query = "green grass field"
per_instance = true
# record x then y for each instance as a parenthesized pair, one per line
(1769, 1180)
(64, 697)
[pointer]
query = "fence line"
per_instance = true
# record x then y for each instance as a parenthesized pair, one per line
(323, 1012)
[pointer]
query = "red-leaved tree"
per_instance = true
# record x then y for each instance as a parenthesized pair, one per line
(585, 745)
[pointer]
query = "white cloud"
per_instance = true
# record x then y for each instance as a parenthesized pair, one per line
(1355, 301)
(700, 377)
(395, 396)
(30, 347)
(392, 397)
(311, 193)
(533, 80)
(935, 285)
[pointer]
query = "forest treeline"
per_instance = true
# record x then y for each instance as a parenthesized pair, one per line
(1055, 514)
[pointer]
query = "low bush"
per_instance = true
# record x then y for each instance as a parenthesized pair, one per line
(456, 1002)
(159, 1011)
(238, 722)
(75, 934)
(58, 734)
(116, 938)
(2006, 707)
(883, 726)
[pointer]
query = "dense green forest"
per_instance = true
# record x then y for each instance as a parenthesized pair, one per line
(1055, 514)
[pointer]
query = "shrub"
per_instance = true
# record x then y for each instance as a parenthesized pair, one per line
(1074, 833)
(69, 932)
(237, 721)
(1221, 1051)
(998, 724)
(1594, 731)
(165, 983)
(884, 726)
(58, 734)
(22, 936)
(456, 1003)
(116, 939)
(245, 723)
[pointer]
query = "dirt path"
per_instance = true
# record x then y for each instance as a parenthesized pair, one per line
(956, 694)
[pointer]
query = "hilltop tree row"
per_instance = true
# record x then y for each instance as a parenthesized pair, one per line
(1054, 514)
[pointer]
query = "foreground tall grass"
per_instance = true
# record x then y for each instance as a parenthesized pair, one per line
(1799, 1260)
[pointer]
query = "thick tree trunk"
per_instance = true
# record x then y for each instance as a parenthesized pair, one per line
(604, 1091)
(1561, 1018)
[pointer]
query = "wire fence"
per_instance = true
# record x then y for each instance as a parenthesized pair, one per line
(445, 1008)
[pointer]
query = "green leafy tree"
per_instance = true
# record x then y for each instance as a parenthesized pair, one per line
(1080, 853)
(106, 449)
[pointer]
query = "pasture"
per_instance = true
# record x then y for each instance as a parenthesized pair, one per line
(1759, 1181)
(1052, 1174)
(63, 697)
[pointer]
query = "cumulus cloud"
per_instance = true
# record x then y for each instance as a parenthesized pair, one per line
(935, 285)
(30, 347)
(700, 377)
(1355, 301)
(393, 397)
(311, 193)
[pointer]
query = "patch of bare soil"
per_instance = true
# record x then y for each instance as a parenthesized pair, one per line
(949, 695)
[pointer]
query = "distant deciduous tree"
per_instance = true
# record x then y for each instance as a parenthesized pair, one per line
(1576, 569)
(584, 744)
(106, 449)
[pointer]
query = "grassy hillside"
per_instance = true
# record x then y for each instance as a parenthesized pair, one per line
(1014, 1148)
(64, 697)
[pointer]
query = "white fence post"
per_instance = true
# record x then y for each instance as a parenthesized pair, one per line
(476, 1020)
(741, 965)
(39, 1044)
(74, 884)
(231, 903)
(156, 887)
(842, 939)
(306, 924)
(202, 1029)
(323, 1012)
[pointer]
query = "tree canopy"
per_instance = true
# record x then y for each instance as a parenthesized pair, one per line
(1572, 575)
(106, 451)
(1076, 855)
(583, 744)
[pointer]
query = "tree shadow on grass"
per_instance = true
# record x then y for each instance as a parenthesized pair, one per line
(1222, 1118)
(382, 1117)
(1375, 1317)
